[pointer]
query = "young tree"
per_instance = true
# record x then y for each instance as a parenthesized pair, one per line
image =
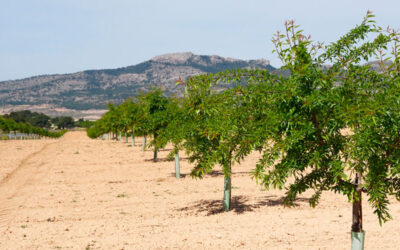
(225, 126)
(108, 123)
(338, 125)
(134, 114)
(155, 118)
(174, 130)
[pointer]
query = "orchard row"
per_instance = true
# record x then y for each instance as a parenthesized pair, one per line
(328, 121)
(25, 130)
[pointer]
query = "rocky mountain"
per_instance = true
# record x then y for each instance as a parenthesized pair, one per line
(91, 89)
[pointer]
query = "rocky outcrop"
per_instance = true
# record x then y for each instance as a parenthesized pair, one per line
(91, 89)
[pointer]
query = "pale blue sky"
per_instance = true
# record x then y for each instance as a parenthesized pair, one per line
(63, 36)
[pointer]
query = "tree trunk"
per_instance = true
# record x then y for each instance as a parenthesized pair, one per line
(155, 155)
(228, 188)
(357, 232)
(227, 193)
(144, 143)
(126, 137)
(177, 166)
(155, 148)
(357, 207)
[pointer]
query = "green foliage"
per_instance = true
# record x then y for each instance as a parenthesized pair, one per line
(334, 122)
(149, 115)
(63, 122)
(167, 121)
(177, 125)
(33, 118)
(82, 123)
(9, 125)
(226, 126)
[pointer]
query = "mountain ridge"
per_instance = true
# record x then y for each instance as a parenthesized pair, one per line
(92, 89)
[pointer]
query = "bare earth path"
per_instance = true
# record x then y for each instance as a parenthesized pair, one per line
(77, 193)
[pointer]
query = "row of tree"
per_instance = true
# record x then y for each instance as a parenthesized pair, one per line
(151, 115)
(324, 128)
(33, 118)
(44, 121)
(11, 126)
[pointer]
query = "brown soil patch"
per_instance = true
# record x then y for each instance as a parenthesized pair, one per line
(79, 193)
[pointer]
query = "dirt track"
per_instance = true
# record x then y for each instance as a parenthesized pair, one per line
(79, 193)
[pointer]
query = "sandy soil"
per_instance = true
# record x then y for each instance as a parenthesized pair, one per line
(77, 193)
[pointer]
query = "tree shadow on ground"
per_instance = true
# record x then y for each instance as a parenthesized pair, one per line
(212, 174)
(215, 173)
(159, 160)
(182, 175)
(240, 204)
(150, 149)
(165, 159)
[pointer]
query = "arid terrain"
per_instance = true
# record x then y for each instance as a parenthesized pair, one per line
(78, 193)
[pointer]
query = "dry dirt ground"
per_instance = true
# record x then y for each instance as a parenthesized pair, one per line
(78, 193)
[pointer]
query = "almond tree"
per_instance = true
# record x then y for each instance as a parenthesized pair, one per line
(155, 117)
(174, 130)
(337, 126)
(224, 126)
(131, 113)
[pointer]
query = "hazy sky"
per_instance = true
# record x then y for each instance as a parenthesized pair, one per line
(63, 36)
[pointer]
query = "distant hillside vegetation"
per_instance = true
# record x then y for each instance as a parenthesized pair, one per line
(91, 89)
